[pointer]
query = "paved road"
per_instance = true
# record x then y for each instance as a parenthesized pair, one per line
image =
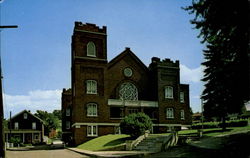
(59, 153)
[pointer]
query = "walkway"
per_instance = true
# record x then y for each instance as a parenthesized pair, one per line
(111, 153)
(59, 153)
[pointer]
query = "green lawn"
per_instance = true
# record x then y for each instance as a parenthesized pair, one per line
(110, 141)
(215, 131)
(104, 142)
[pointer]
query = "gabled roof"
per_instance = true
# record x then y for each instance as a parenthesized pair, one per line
(126, 52)
(26, 112)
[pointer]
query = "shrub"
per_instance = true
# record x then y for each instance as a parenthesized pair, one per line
(205, 125)
(135, 124)
(233, 123)
(15, 141)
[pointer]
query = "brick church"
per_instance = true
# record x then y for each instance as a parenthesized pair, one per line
(103, 92)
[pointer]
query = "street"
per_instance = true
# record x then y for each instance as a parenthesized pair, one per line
(60, 153)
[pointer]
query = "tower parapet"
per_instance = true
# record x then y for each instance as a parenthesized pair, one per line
(88, 27)
(164, 63)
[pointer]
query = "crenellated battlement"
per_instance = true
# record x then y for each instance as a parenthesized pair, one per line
(79, 26)
(165, 62)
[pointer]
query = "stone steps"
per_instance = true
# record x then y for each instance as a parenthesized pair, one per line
(152, 143)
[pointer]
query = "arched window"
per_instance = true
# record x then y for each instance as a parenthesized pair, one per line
(68, 112)
(169, 92)
(128, 91)
(170, 113)
(182, 97)
(91, 109)
(91, 87)
(91, 50)
(182, 115)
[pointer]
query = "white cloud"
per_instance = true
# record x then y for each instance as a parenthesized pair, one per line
(188, 75)
(48, 100)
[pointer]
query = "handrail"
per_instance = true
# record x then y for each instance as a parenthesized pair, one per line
(172, 140)
(139, 139)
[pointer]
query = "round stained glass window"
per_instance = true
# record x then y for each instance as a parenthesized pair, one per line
(128, 91)
(128, 72)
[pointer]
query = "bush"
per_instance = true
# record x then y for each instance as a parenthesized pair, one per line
(233, 123)
(205, 125)
(135, 124)
(15, 141)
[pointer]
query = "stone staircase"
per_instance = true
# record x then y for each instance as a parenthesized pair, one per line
(152, 143)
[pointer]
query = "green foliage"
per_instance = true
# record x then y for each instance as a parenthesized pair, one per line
(15, 141)
(205, 125)
(59, 134)
(58, 114)
(235, 123)
(5, 124)
(223, 30)
(232, 123)
(51, 121)
(135, 124)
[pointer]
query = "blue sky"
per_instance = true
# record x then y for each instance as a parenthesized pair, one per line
(36, 56)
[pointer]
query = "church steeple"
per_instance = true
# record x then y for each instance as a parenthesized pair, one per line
(89, 41)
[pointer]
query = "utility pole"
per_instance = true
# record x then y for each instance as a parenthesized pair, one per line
(2, 141)
(2, 135)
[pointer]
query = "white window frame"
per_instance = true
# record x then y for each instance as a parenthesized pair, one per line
(25, 116)
(16, 125)
(92, 109)
(91, 49)
(182, 115)
(67, 124)
(33, 125)
(182, 95)
(170, 113)
(169, 92)
(68, 112)
(92, 130)
(91, 87)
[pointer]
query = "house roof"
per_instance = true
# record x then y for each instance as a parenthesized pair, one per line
(28, 113)
(126, 52)
(196, 114)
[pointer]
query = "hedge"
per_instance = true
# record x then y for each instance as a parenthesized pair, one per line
(232, 123)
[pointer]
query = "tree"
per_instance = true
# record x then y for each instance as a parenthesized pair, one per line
(50, 120)
(224, 30)
(135, 124)
(58, 114)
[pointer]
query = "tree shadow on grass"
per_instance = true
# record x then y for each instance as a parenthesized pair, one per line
(117, 141)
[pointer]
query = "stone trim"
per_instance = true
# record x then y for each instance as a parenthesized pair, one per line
(94, 124)
(89, 58)
(132, 103)
(117, 124)
(98, 33)
(22, 131)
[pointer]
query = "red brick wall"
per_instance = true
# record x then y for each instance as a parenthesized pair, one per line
(150, 82)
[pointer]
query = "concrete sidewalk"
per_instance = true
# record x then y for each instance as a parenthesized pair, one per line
(111, 153)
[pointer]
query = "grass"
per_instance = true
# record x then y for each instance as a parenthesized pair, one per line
(110, 141)
(104, 142)
(215, 131)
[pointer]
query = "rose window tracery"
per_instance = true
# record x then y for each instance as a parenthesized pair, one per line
(128, 91)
